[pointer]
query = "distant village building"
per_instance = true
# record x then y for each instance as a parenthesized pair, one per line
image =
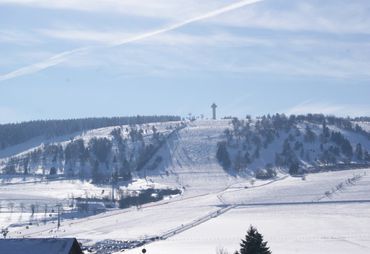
(214, 106)
(86, 205)
(40, 246)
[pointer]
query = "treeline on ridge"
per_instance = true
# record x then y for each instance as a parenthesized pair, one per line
(17, 133)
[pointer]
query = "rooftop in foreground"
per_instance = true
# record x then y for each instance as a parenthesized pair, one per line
(40, 246)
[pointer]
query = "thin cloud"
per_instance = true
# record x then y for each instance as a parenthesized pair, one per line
(18, 38)
(163, 9)
(62, 57)
(308, 16)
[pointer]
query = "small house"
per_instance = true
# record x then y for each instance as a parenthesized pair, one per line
(40, 246)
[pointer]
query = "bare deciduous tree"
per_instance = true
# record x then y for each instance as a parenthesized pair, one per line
(221, 250)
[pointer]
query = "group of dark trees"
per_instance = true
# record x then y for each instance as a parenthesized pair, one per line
(223, 155)
(17, 133)
(102, 159)
(297, 138)
(146, 196)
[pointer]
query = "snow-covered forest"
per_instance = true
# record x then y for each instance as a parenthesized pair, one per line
(93, 154)
(298, 144)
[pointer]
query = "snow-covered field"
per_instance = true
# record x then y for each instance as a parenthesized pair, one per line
(290, 216)
(295, 215)
(337, 228)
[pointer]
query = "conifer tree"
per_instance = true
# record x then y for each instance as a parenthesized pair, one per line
(253, 243)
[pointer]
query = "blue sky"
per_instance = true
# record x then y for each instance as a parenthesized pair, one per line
(79, 58)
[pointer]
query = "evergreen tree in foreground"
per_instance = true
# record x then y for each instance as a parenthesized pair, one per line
(253, 243)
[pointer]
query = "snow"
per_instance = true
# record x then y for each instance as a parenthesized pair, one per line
(34, 143)
(20, 150)
(294, 189)
(303, 229)
(354, 138)
(289, 224)
(61, 190)
(216, 207)
(190, 159)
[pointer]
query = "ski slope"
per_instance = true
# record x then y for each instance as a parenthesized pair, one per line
(190, 159)
(216, 208)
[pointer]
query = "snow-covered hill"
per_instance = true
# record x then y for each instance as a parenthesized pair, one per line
(189, 158)
(259, 147)
(119, 149)
(215, 207)
(297, 144)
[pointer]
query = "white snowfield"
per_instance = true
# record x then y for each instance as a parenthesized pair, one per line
(323, 213)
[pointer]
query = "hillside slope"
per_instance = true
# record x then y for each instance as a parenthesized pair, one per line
(210, 195)
(298, 144)
(94, 154)
(189, 158)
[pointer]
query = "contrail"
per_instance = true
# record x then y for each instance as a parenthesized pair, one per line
(33, 68)
(63, 56)
(187, 22)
